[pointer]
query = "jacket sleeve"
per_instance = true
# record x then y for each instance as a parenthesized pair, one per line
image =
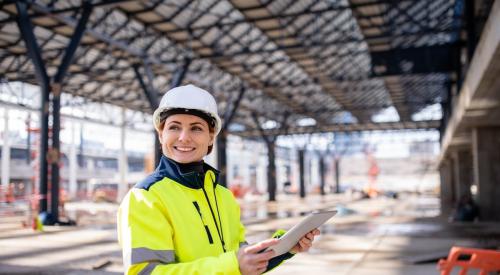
(146, 237)
(278, 260)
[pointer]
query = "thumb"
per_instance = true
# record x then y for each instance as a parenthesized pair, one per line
(261, 246)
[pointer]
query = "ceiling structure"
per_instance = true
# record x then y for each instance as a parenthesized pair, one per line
(312, 65)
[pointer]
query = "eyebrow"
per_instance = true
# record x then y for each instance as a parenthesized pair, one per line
(194, 123)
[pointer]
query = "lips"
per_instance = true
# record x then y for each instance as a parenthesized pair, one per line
(184, 149)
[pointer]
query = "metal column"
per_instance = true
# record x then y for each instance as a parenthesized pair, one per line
(337, 175)
(56, 88)
(322, 175)
(271, 170)
(222, 138)
(301, 171)
(152, 97)
(26, 29)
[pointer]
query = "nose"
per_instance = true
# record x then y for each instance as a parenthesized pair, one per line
(184, 135)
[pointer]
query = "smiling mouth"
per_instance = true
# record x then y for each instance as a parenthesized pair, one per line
(184, 149)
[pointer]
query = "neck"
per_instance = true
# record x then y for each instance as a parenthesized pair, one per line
(196, 166)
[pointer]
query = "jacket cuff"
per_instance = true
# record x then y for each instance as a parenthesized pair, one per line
(274, 262)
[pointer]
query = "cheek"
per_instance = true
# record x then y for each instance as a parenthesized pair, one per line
(166, 138)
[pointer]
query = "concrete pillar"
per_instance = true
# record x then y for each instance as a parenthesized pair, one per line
(462, 172)
(486, 157)
(6, 150)
(122, 161)
(447, 193)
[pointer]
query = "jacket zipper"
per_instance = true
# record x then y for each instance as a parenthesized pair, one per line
(210, 239)
(219, 230)
(219, 233)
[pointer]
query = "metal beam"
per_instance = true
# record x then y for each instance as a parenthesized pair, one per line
(136, 53)
(282, 16)
(385, 126)
(26, 29)
(427, 59)
(149, 92)
(301, 47)
(179, 75)
(73, 44)
(102, 3)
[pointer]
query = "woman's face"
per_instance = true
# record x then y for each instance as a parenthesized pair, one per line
(185, 138)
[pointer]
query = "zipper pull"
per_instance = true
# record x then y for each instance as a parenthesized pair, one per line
(209, 235)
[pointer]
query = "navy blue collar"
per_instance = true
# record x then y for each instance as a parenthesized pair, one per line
(170, 169)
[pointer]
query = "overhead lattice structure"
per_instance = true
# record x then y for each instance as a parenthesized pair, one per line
(327, 65)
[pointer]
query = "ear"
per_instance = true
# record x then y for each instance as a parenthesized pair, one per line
(212, 139)
(160, 135)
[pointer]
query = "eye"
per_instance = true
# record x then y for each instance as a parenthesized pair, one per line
(173, 127)
(197, 128)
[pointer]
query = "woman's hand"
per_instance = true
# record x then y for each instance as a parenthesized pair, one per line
(251, 261)
(306, 242)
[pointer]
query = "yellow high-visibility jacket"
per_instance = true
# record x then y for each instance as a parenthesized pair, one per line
(172, 223)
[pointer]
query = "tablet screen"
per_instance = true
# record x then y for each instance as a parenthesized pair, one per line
(292, 236)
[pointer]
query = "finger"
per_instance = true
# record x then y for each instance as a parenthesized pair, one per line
(304, 248)
(261, 270)
(316, 232)
(255, 258)
(312, 238)
(306, 240)
(260, 246)
(305, 244)
(260, 257)
(262, 264)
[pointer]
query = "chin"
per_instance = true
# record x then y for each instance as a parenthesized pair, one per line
(183, 159)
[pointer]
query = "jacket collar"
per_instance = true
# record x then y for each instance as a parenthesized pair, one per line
(168, 168)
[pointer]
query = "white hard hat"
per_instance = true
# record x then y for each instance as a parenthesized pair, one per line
(188, 97)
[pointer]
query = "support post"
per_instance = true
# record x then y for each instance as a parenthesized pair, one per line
(222, 138)
(322, 175)
(446, 188)
(463, 173)
(337, 175)
(271, 170)
(486, 157)
(271, 147)
(152, 97)
(26, 29)
(301, 173)
(56, 87)
(222, 157)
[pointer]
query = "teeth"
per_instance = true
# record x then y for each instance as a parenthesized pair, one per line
(184, 149)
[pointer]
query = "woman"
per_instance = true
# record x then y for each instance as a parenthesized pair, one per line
(179, 220)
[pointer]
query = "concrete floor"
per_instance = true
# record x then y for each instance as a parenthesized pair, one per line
(371, 236)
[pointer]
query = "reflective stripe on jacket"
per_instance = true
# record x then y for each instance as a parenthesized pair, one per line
(169, 224)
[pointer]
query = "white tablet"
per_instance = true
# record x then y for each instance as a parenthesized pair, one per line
(292, 236)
